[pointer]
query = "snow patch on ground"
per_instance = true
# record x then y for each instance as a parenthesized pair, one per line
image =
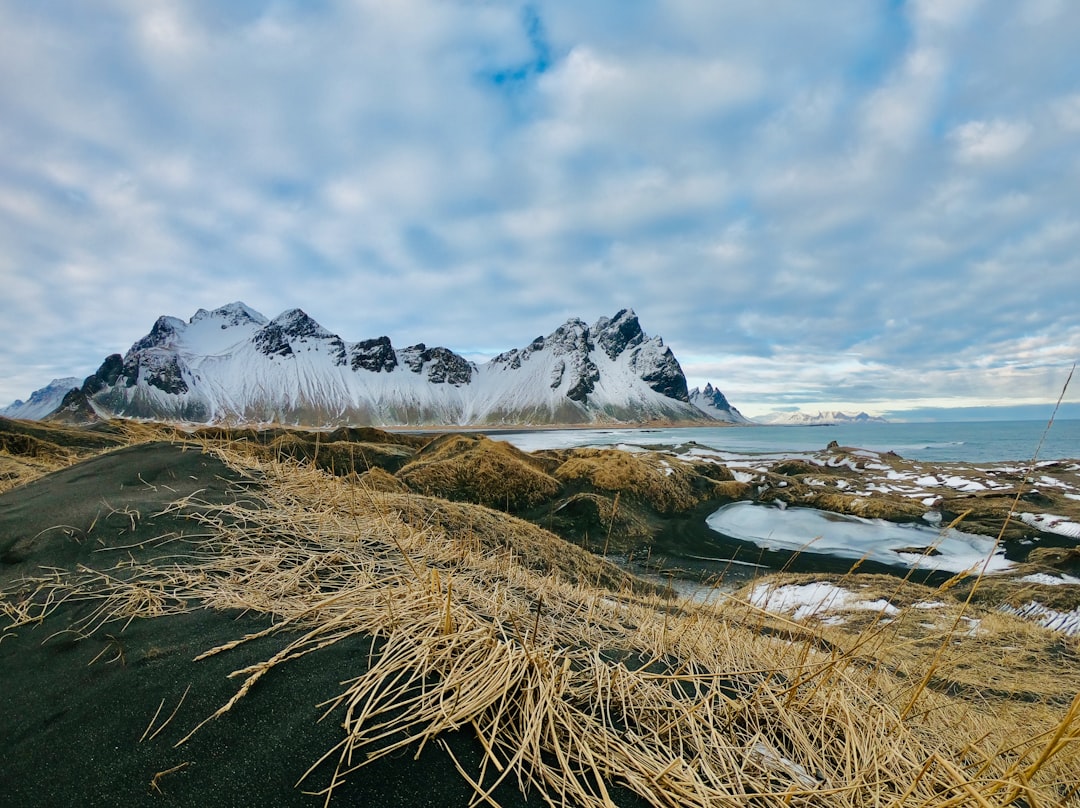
(806, 600)
(1066, 622)
(808, 530)
(1049, 580)
(1050, 523)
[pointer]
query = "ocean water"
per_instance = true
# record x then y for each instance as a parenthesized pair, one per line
(951, 442)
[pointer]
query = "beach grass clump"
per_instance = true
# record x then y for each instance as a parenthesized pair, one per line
(375, 479)
(578, 692)
(600, 522)
(489, 530)
(479, 470)
(338, 456)
(666, 484)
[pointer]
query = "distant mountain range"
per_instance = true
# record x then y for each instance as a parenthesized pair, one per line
(41, 402)
(233, 365)
(817, 419)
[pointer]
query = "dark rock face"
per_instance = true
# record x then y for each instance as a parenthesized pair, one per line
(273, 341)
(573, 343)
(337, 346)
(586, 375)
(444, 366)
(619, 333)
(164, 330)
(413, 357)
(508, 359)
(275, 338)
(512, 359)
(296, 323)
(105, 376)
(447, 367)
(715, 397)
(162, 370)
(667, 378)
(659, 369)
(373, 354)
(75, 408)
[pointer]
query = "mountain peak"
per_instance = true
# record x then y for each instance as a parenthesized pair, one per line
(620, 332)
(715, 404)
(298, 323)
(235, 313)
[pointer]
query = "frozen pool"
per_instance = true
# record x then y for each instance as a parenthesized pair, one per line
(852, 537)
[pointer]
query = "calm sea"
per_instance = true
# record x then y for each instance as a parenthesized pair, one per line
(957, 441)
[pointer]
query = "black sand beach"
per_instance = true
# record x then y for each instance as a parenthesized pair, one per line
(75, 707)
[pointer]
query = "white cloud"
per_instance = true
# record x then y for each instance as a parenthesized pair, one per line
(989, 141)
(944, 13)
(899, 113)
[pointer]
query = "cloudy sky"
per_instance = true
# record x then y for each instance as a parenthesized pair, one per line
(855, 204)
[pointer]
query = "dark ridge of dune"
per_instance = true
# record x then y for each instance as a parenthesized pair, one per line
(81, 708)
(101, 510)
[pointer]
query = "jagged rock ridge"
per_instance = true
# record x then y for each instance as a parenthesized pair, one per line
(234, 365)
(715, 404)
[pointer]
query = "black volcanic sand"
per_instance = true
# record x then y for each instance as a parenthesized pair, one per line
(73, 709)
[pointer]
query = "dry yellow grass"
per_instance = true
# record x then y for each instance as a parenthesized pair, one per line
(480, 470)
(666, 484)
(572, 688)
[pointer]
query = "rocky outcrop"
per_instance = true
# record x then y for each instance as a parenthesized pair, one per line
(376, 355)
(443, 365)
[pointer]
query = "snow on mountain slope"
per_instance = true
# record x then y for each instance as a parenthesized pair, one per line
(715, 404)
(41, 402)
(234, 365)
(817, 419)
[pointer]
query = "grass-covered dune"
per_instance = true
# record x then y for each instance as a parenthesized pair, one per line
(230, 618)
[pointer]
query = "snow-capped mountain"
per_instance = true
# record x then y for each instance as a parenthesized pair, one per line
(42, 401)
(817, 419)
(234, 365)
(715, 404)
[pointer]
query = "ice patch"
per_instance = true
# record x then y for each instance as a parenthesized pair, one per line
(1050, 523)
(1066, 622)
(963, 484)
(1049, 580)
(804, 600)
(809, 530)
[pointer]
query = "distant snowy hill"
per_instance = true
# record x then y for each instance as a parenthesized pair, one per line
(43, 401)
(714, 404)
(234, 365)
(817, 419)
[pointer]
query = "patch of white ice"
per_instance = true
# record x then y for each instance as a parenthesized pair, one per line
(809, 530)
(1049, 580)
(1050, 523)
(1066, 622)
(804, 600)
(963, 484)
